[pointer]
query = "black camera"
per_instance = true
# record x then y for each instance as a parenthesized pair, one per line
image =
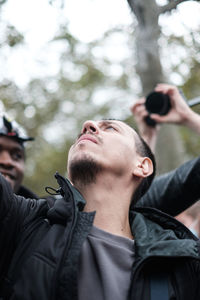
(157, 103)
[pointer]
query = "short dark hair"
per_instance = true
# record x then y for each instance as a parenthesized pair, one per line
(143, 149)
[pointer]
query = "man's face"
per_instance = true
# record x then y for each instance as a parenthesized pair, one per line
(12, 161)
(110, 144)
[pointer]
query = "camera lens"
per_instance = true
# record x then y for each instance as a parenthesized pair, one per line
(157, 103)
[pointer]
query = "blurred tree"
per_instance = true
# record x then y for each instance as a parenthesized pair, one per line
(151, 72)
(13, 37)
(2, 2)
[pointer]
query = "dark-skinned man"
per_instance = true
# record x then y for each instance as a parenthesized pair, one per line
(12, 155)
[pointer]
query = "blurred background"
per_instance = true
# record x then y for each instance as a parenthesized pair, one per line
(65, 61)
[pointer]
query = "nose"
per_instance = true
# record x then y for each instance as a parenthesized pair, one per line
(6, 160)
(90, 127)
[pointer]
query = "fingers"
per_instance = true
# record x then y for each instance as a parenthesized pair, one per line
(166, 88)
(137, 105)
(170, 90)
(179, 112)
(160, 119)
(140, 111)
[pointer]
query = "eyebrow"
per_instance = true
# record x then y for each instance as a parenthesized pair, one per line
(18, 149)
(12, 148)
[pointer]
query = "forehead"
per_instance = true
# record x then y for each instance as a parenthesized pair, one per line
(10, 143)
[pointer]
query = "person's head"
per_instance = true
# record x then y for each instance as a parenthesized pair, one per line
(12, 152)
(112, 147)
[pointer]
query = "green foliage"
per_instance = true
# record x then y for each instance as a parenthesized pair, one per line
(13, 36)
(60, 3)
(2, 2)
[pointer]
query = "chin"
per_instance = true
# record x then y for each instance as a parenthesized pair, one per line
(11, 183)
(83, 170)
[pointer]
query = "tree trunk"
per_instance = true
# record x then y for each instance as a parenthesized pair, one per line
(170, 151)
(147, 33)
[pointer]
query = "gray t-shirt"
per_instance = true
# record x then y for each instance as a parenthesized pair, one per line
(105, 266)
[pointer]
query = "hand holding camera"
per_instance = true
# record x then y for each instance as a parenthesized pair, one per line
(149, 133)
(156, 103)
(167, 105)
(164, 105)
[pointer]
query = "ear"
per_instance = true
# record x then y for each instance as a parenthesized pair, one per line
(143, 168)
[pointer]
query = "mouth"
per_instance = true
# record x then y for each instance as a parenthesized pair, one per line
(8, 176)
(87, 137)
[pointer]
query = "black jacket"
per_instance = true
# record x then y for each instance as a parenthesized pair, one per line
(26, 193)
(40, 247)
(175, 191)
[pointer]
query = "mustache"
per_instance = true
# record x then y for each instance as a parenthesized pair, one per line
(84, 133)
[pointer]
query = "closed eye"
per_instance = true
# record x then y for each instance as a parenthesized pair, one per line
(110, 127)
(107, 125)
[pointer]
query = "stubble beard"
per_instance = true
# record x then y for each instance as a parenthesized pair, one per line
(84, 171)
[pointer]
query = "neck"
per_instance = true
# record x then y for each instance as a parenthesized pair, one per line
(110, 198)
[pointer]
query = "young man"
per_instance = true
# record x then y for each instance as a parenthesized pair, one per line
(91, 245)
(12, 155)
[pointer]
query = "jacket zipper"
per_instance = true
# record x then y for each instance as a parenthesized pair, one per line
(68, 238)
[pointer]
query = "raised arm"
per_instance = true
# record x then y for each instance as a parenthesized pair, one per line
(148, 133)
(180, 114)
(15, 213)
(175, 191)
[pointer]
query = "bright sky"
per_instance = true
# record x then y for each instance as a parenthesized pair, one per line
(39, 21)
(88, 20)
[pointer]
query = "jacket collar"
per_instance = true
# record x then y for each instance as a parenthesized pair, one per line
(155, 233)
(153, 238)
(67, 204)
